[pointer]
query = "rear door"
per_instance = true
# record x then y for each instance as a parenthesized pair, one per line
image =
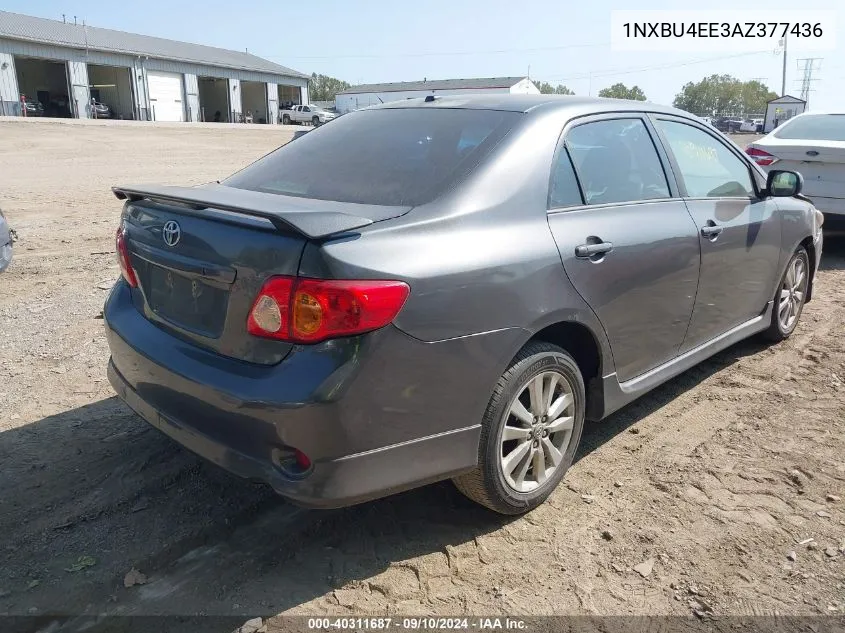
(626, 240)
(739, 231)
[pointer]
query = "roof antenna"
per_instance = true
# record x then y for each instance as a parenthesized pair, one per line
(74, 20)
(64, 19)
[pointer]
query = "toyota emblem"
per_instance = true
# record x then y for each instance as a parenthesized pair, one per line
(171, 233)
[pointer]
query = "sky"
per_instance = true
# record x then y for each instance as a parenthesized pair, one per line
(369, 41)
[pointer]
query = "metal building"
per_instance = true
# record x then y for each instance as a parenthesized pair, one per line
(366, 95)
(781, 110)
(64, 69)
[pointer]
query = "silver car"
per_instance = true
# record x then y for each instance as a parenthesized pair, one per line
(6, 238)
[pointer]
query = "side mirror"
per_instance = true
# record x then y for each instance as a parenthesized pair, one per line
(783, 184)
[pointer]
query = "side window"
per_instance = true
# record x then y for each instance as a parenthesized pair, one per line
(306, 109)
(708, 168)
(564, 190)
(617, 161)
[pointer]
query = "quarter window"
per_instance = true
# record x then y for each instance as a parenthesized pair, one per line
(564, 191)
(617, 161)
(708, 168)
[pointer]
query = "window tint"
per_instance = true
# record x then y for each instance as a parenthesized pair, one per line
(564, 190)
(814, 127)
(403, 156)
(709, 169)
(616, 161)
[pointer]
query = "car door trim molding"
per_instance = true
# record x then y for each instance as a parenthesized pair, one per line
(609, 205)
(618, 394)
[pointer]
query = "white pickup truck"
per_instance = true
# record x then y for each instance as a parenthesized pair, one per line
(306, 114)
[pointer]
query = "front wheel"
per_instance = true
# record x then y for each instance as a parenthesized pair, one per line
(790, 297)
(529, 433)
(315, 121)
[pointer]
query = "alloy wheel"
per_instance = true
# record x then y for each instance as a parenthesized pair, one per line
(792, 294)
(537, 431)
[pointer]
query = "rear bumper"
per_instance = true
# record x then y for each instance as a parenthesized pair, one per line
(375, 414)
(332, 483)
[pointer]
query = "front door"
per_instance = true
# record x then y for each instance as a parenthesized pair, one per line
(739, 231)
(628, 245)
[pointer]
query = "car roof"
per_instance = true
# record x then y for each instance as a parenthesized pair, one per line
(579, 106)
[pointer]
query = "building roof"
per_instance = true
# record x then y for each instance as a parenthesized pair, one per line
(436, 84)
(31, 29)
(786, 98)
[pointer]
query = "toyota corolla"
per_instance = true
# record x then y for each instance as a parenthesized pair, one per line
(447, 288)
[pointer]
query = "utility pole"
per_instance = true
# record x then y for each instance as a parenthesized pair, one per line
(783, 81)
(810, 66)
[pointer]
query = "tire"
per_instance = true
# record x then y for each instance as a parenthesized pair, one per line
(488, 484)
(315, 121)
(792, 304)
(285, 119)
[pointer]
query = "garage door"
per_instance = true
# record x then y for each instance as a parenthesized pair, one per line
(166, 96)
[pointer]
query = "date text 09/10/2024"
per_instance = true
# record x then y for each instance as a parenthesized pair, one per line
(416, 623)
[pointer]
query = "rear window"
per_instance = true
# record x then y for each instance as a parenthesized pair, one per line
(395, 157)
(814, 127)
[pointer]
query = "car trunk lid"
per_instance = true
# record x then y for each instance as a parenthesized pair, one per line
(201, 255)
(821, 163)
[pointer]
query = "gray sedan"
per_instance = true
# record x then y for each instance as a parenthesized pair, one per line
(447, 288)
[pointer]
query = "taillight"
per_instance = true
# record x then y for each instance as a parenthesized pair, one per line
(761, 157)
(304, 310)
(123, 258)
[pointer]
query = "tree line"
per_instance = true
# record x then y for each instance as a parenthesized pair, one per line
(715, 95)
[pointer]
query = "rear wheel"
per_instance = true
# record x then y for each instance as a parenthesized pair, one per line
(285, 119)
(529, 433)
(790, 297)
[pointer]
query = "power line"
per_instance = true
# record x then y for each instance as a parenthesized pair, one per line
(624, 71)
(437, 53)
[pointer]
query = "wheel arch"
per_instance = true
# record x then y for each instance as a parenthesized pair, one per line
(810, 247)
(591, 353)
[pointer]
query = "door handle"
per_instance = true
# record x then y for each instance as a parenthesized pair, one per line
(590, 250)
(711, 230)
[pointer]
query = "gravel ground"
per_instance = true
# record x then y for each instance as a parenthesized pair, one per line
(699, 497)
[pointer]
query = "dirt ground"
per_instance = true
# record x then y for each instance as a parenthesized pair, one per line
(718, 479)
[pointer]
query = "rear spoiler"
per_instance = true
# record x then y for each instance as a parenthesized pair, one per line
(313, 222)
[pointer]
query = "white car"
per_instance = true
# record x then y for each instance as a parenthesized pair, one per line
(751, 125)
(812, 144)
(307, 114)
